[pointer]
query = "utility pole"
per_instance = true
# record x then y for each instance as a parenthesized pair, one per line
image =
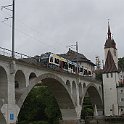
(76, 45)
(77, 55)
(13, 24)
(13, 29)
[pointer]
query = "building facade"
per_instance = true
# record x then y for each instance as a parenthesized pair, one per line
(112, 80)
(87, 65)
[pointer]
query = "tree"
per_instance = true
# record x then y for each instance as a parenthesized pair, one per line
(87, 108)
(98, 74)
(40, 105)
(121, 63)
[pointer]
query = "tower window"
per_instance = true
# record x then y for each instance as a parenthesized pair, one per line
(107, 75)
(111, 75)
(122, 99)
(121, 91)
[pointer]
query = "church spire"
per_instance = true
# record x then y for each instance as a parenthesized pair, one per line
(110, 43)
(109, 32)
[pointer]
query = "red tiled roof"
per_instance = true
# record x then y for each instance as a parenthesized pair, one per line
(109, 64)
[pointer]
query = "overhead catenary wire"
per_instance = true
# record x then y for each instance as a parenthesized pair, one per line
(31, 35)
(28, 35)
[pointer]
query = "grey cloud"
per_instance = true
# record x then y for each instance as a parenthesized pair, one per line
(51, 25)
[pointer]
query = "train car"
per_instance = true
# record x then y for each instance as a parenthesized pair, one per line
(44, 58)
(81, 71)
(58, 62)
(71, 67)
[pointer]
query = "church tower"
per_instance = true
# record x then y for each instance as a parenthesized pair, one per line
(110, 76)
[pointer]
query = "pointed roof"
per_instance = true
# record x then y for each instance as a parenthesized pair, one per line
(109, 31)
(109, 64)
(110, 43)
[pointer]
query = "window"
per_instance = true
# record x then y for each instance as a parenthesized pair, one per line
(121, 91)
(74, 68)
(65, 65)
(111, 75)
(56, 61)
(122, 99)
(81, 69)
(70, 66)
(107, 75)
(51, 59)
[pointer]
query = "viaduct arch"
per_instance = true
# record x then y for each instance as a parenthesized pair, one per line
(95, 95)
(59, 90)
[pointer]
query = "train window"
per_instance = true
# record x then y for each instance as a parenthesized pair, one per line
(74, 69)
(85, 72)
(81, 69)
(56, 61)
(61, 64)
(65, 65)
(70, 66)
(89, 72)
(51, 59)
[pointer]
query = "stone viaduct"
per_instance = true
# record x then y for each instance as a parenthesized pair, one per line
(68, 89)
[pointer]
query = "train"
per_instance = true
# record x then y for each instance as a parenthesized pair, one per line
(58, 62)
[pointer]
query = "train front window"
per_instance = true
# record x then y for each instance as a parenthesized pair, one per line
(51, 59)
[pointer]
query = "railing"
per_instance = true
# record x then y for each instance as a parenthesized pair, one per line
(33, 60)
(7, 52)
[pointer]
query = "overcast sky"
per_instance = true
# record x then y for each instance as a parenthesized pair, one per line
(52, 25)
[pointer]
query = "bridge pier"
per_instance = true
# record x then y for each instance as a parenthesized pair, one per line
(9, 112)
(70, 116)
(69, 122)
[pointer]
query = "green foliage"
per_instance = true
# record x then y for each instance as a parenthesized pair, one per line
(121, 63)
(34, 122)
(40, 105)
(87, 108)
(99, 76)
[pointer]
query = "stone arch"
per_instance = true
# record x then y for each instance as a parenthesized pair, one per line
(74, 93)
(80, 93)
(68, 86)
(20, 84)
(95, 96)
(32, 76)
(3, 86)
(59, 90)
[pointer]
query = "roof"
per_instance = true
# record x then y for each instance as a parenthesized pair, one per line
(74, 56)
(109, 64)
(110, 43)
